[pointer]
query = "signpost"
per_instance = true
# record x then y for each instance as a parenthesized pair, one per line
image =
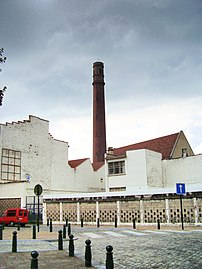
(38, 191)
(181, 190)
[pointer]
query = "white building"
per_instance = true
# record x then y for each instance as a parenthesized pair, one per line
(143, 171)
(154, 166)
(30, 156)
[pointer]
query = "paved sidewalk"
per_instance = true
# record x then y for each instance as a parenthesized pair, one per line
(46, 245)
(47, 259)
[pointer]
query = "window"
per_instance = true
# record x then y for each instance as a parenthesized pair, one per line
(115, 168)
(117, 189)
(11, 165)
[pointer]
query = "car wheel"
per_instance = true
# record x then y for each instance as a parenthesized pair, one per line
(12, 223)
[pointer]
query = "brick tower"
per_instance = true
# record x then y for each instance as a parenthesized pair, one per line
(99, 127)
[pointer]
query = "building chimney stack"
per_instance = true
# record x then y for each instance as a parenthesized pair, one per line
(99, 126)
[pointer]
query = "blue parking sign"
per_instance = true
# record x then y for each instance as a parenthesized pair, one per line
(180, 188)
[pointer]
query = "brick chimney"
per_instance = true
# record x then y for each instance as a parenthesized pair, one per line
(99, 126)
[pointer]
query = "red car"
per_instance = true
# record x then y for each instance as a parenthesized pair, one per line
(14, 215)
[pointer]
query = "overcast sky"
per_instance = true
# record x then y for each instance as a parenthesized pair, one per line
(152, 53)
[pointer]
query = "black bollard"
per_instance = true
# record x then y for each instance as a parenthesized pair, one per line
(60, 241)
(69, 229)
(88, 255)
(115, 222)
(71, 245)
(64, 231)
(109, 258)
(66, 222)
(18, 226)
(34, 259)
(37, 225)
(3, 225)
(14, 242)
(51, 226)
(98, 222)
(34, 232)
(134, 225)
(47, 222)
(82, 222)
(158, 224)
(1, 232)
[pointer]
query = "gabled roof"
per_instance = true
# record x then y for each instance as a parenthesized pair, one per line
(75, 163)
(163, 145)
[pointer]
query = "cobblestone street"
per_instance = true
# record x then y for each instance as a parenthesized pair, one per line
(145, 248)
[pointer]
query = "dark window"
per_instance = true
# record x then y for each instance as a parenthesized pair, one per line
(11, 213)
(115, 168)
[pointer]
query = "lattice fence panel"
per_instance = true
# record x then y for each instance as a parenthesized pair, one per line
(154, 210)
(108, 211)
(69, 211)
(88, 212)
(7, 203)
(129, 210)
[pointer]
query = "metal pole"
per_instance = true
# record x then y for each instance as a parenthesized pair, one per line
(34, 232)
(60, 240)
(181, 212)
(38, 214)
(1, 232)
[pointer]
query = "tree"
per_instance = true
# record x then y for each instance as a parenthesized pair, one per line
(2, 60)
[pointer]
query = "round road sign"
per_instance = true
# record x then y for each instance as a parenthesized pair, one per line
(38, 189)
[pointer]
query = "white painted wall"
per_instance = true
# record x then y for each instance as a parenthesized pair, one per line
(145, 171)
(32, 139)
(154, 169)
(135, 171)
(14, 190)
(85, 179)
(59, 164)
(184, 170)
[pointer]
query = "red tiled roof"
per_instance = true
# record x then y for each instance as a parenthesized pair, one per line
(75, 163)
(163, 145)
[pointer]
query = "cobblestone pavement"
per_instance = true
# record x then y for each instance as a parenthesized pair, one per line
(144, 249)
(141, 248)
